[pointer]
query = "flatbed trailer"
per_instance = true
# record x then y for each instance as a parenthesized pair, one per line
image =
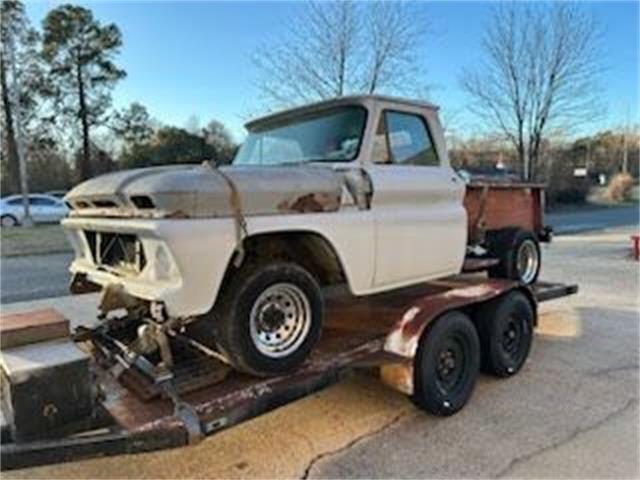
(139, 412)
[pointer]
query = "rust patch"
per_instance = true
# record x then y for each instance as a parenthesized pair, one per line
(403, 339)
(312, 202)
(398, 376)
(177, 214)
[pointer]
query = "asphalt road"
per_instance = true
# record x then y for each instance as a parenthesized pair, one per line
(31, 277)
(572, 412)
(44, 276)
(593, 219)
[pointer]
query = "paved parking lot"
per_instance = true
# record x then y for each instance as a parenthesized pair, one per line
(571, 412)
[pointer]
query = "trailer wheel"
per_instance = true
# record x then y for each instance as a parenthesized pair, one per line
(505, 326)
(446, 365)
(268, 318)
(519, 253)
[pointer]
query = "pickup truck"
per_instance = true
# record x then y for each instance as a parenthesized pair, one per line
(356, 189)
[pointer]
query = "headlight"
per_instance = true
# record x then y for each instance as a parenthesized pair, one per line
(162, 263)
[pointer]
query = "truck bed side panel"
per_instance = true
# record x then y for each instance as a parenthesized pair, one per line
(496, 206)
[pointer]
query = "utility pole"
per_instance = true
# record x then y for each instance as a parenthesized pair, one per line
(17, 118)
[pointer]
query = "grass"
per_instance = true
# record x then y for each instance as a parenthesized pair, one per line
(36, 240)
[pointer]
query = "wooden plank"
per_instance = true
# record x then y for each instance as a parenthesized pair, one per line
(30, 327)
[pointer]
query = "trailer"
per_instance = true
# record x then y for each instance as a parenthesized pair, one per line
(428, 342)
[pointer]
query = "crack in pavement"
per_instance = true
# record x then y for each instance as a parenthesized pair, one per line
(352, 443)
(621, 368)
(567, 439)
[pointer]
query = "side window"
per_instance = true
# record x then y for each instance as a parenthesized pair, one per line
(41, 202)
(409, 141)
(15, 201)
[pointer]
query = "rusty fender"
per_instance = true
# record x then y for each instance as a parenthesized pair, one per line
(312, 202)
(404, 338)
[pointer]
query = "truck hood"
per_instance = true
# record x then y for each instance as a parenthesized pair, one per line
(196, 191)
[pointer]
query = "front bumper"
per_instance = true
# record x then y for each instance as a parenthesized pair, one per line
(185, 259)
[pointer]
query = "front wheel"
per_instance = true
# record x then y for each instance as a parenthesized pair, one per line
(268, 318)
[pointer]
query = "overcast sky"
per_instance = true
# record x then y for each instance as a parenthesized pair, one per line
(194, 58)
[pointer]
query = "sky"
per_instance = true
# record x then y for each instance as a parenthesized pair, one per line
(195, 58)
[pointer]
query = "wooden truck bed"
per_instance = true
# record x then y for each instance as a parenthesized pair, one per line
(493, 206)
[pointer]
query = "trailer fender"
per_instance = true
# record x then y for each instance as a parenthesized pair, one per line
(404, 338)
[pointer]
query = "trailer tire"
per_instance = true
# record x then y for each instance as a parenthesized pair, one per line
(268, 318)
(505, 326)
(446, 365)
(519, 253)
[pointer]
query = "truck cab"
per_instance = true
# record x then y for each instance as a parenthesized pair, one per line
(394, 150)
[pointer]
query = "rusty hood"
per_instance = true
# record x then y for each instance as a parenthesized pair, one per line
(206, 191)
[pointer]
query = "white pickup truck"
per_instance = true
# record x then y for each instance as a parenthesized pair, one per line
(356, 189)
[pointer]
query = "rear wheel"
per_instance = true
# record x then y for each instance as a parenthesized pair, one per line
(446, 365)
(268, 318)
(519, 253)
(505, 326)
(8, 221)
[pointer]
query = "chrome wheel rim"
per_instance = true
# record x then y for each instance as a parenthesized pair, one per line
(280, 320)
(528, 261)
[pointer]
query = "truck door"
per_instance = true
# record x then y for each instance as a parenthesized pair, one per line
(420, 221)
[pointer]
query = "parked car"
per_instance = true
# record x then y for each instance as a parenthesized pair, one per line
(57, 193)
(43, 209)
(356, 190)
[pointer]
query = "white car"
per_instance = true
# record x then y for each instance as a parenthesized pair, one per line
(43, 209)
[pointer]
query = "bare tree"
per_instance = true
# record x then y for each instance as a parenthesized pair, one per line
(336, 48)
(539, 73)
(393, 34)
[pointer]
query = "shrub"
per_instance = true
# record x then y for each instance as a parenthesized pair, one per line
(619, 187)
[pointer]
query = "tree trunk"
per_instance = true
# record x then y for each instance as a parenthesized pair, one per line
(84, 170)
(625, 151)
(13, 164)
(522, 157)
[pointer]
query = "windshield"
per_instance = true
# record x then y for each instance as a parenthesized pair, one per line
(330, 136)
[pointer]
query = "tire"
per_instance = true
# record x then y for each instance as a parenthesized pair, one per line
(268, 318)
(505, 326)
(519, 253)
(8, 221)
(446, 365)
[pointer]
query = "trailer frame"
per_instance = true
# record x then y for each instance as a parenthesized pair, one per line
(376, 331)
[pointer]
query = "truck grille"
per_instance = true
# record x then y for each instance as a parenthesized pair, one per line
(117, 250)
